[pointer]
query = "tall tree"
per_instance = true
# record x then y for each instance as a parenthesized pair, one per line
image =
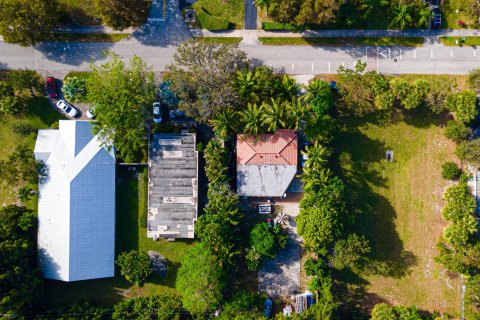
(27, 22)
(320, 12)
(275, 115)
(252, 119)
(401, 16)
(225, 122)
(425, 17)
(122, 14)
(123, 96)
(202, 75)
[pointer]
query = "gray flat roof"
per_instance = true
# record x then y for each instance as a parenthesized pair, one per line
(172, 185)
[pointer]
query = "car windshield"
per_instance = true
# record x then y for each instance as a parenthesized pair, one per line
(67, 109)
(156, 116)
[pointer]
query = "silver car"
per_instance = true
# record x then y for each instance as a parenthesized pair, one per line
(157, 112)
(67, 108)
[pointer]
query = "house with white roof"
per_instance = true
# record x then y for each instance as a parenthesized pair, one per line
(76, 204)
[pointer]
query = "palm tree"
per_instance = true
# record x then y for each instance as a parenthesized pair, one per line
(247, 84)
(252, 118)
(275, 115)
(402, 17)
(226, 254)
(372, 5)
(262, 3)
(317, 156)
(314, 177)
(425, 17)
(299, 112)
(225, 123)
(288, 88)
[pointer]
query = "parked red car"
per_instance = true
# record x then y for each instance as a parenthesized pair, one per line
(50, 87)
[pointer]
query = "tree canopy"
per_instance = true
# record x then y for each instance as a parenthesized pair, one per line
(122, 96)
(122, 14)
(135, 266)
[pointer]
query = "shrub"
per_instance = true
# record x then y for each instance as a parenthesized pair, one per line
(473, 79)
(161, 307)
(469, 151)
(75, 89)
(210, 22)
(8, 100)
(464, 104)
(265, 242)
(25, 79)
(24, 128)
(134, 266)
(166, 95)
(350, 252)
(272, 26)
(456, 131)
(450, 171)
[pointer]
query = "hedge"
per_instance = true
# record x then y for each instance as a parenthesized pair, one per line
(272, 26)
(210, 22)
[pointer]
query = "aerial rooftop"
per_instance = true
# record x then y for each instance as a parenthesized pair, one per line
(266, 163)
(172, 185)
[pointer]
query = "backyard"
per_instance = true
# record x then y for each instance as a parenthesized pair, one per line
(130, 235)
(398, 208)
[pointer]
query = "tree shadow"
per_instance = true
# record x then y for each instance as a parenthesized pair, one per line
(73, 53)
(127, 195)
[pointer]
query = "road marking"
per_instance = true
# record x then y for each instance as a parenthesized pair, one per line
(451, 53)
(270, 66)
(415, 53)
(377, 59)
(366, 56)
(474, 53)
(329, 67)
(312, 66)
(431, 53)
(343, 64)
(293, 66)
(388, 53)
(401, 52)
(383, 53)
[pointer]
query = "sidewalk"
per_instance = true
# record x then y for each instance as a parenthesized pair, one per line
(339, 33)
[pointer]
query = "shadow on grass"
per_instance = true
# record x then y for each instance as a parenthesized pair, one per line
(374, 217)
(127, 194)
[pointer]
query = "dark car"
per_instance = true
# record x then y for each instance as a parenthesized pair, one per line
(50, 87)
(436, 18)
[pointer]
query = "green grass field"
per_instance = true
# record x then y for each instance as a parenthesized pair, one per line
(231, 10)
(450, 16)
(328, 41)
(37, 114)
(464, 41)
(398, 207)
(131, 201)
(82, 12)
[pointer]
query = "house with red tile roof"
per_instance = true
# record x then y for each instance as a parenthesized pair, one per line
(266, 163)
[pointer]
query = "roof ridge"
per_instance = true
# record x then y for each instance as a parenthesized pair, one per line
(254, 151)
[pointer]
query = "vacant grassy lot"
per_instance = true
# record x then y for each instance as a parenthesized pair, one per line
(130, 235)
(464, 41)
(19, 129)
(450, 16)
(80, 12)
(398, 208)
(328, 41)
(231, 10)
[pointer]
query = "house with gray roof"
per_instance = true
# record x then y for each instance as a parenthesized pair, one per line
(76, 204)
(172, 185)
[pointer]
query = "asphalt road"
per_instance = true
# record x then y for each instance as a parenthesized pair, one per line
(250, 17)
(288, 59)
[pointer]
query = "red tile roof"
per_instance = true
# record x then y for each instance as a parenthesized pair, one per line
(274, 149)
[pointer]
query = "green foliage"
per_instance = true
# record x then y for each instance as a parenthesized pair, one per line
(122, 96)
(135, 266)
(383, 311)
(21, 168)
(79, 311)
(255, 85)
(450, 171)
(8, 100)
(464, 105)
(267, 240)
(20, 282)
(319, 95)
(244, 306)
(275, 115)
(122, 14)
(25, 193)
(469, 151)
(350, 252)
(202, 75)
(287, 89)
(473, 79)
(440, 89)
(274, 26)
(321, 129)
(212, 23)
(216, 162)
(163, 307)
(402, 16)
(456, 131)
(25, 79)
(472, 297)
(355, 90)
(252, 119)
(75, 89)
(200, 281)
(27, 22)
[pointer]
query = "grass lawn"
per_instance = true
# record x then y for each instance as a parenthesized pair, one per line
(231, 10)
(469, 41)
(327, 41)
(131, 201)
(88, 37)
(18, 129)
(80, 12)
(398, 207)
(220, 40)
(450, 16)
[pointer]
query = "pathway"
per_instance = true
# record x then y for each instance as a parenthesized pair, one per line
(280, 277)
(250, 15)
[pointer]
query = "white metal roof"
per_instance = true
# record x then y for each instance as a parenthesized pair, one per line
(264, 180)
(76, 204)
